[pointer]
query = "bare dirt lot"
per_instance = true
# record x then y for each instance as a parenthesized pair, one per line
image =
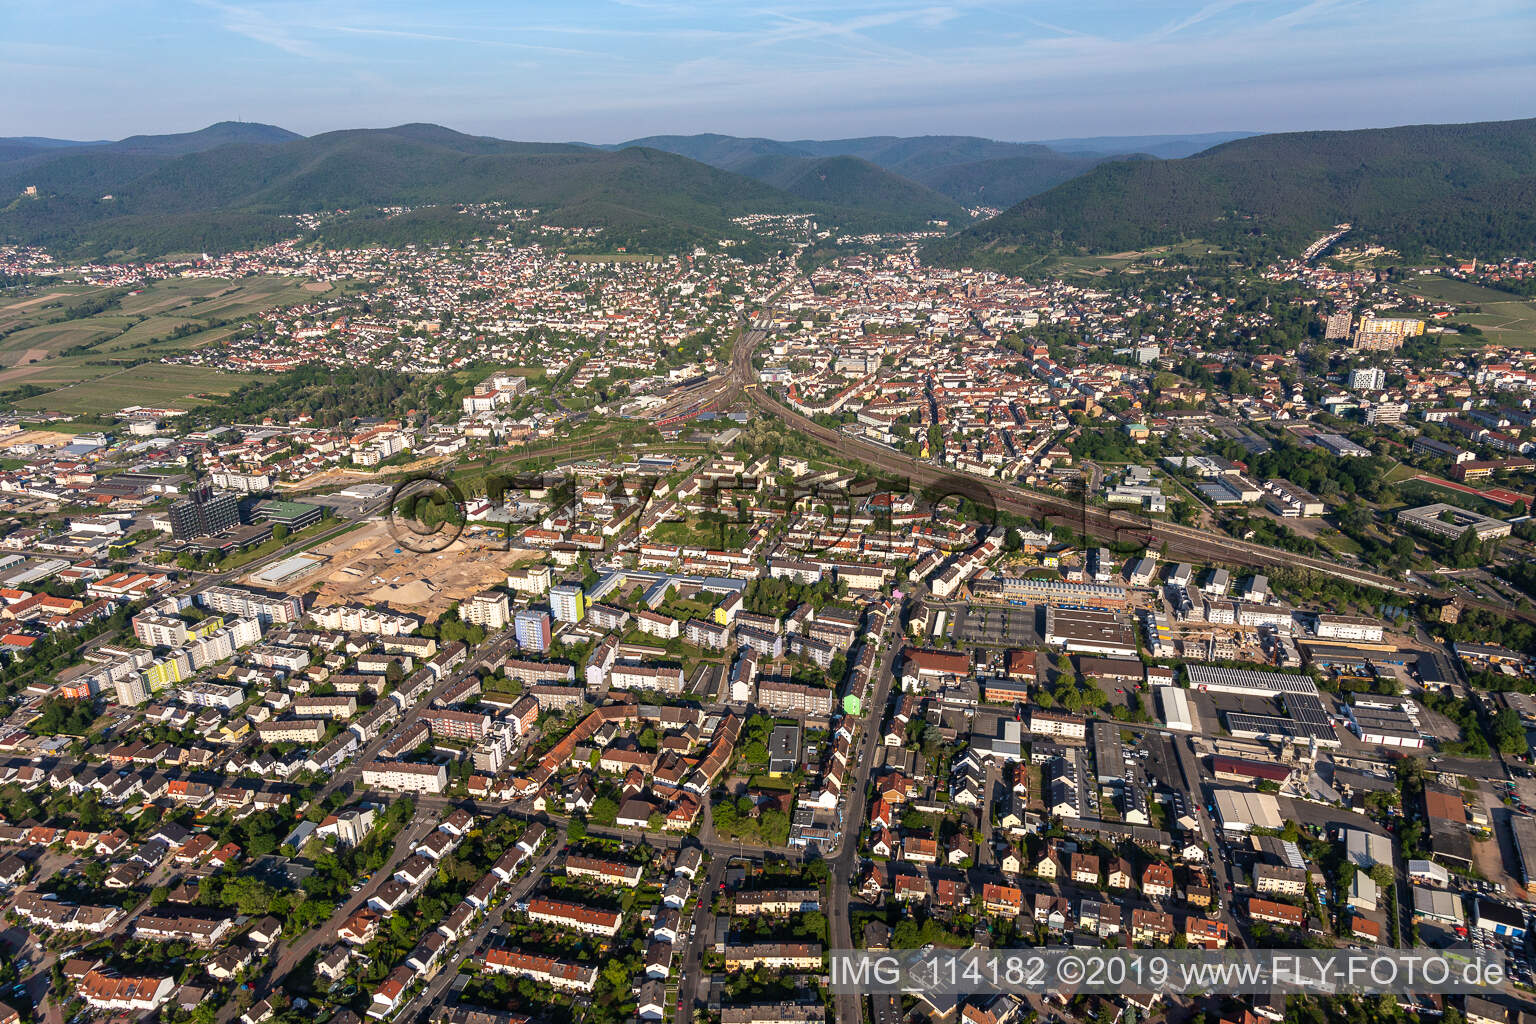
(366, 567)
(1496, 857)
(32, 355)
(342, 477)
(48, 438)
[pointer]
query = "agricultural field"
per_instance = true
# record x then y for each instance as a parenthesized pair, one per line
(95, 349)
(34, 305)
(207, 298)
(155, 384)
(1462, 293)
(1504, 319)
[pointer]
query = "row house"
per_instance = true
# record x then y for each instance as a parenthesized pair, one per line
(804, 956)
(561, 975)
(575, 916)
(607, 871)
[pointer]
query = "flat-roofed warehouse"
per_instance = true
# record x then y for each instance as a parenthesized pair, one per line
(1242, 811)
(288, 570)
(1239, 769)
(1115, 670)
(1387, 727)
(1522, 704)
(1248, 682)
(1178, 712)
(1308, 722)
(1275, 728)
(1366, 849)
(1523, 828)
(1440, 802)
(1108, 752)
(1332, 657)
(1439, 905)
(1089, 632)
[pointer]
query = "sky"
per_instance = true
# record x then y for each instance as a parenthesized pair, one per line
(610, 70)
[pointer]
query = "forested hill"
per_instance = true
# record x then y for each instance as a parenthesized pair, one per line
(1004, 181)
(223, 133)
(852, 183)
(968, 170)
(1468, 189)
(97, 199)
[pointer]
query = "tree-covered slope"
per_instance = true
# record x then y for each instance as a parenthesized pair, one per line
(726, 152)
(916, 155)
(1164, 147)
(1004, 181)
(967, 169)
(160, 203)
(106, 198)
(224, 133)
(854, 184)
(1462, 188)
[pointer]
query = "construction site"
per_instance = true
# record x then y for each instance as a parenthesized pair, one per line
(368, 566)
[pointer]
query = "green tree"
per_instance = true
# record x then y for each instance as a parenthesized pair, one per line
(1508, 733)
(605, 810)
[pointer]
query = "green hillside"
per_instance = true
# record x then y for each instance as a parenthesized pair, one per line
(726, 152)
(854, 184)
(224, 133)
(234, 195)
(913, 156)
(968, 170)
(1004, 181)
(101, 199)
(1424, 188)
(1164, 147)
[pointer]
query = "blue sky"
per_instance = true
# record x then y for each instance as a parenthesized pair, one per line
(605, 71)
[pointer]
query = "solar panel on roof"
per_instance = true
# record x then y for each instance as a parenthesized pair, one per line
(1275, 725)
(1219, 677)
(1307, 709)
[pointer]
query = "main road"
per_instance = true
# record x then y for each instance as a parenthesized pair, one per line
(845, 862)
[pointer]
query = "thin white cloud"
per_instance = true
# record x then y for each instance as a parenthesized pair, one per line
(797, 68)
(1206, 13)
(1312, 11)
(259, 26)
(390, 33)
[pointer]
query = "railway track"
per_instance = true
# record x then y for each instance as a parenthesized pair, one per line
(1113, 525)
